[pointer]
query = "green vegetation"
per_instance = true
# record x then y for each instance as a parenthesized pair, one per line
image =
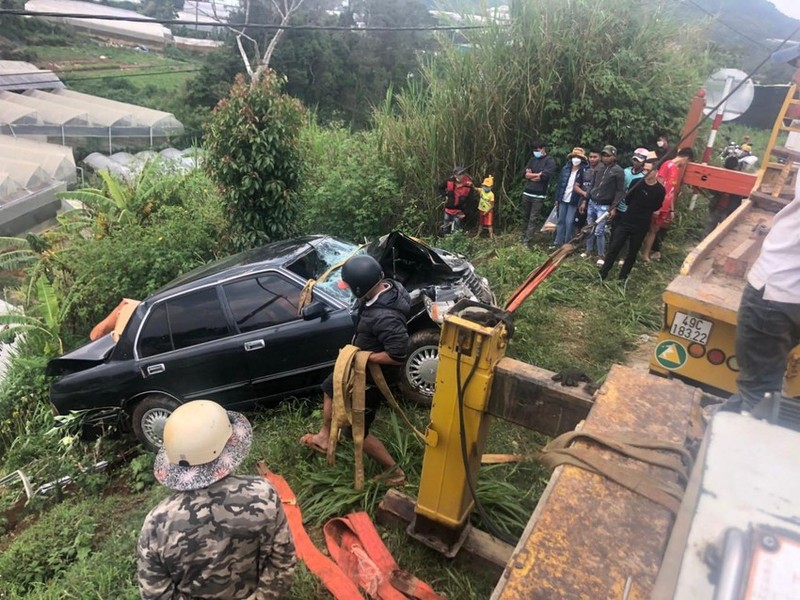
(252, 152)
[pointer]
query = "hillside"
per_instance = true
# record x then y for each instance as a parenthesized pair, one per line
(763, 24)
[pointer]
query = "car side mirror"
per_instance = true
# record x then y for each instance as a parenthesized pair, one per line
(314, 310)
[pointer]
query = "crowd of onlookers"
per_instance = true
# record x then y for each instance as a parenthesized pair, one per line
(635, 204)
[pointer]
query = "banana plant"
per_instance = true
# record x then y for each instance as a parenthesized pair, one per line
(45, 318)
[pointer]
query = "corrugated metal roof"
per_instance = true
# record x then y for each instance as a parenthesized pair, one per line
(18, 76)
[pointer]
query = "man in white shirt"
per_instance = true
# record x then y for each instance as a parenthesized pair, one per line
(768, 323)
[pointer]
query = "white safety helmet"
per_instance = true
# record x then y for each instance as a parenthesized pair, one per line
(196, 433)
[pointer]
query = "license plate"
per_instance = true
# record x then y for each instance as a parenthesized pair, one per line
(691, 328)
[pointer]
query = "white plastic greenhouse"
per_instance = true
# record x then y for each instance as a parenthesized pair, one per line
(145, 32)
(56, 161)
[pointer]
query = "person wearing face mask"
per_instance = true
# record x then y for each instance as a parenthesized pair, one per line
(537, 174)
(568, 196)
(664, 151)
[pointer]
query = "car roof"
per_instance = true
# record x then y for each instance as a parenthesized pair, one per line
(276, 254)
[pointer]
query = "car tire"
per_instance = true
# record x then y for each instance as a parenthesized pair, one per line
(149, 416)
(418, 377)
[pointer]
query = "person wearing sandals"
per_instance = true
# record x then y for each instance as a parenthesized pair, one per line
(217, 535)
(381, 314)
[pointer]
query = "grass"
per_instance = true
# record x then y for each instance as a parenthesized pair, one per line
(573, 320)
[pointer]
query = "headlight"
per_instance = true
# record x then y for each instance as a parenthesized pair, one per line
(438, 310)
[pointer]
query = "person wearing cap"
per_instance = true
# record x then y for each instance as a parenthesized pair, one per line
(608, 188)
(568, 193)
(381, 314)
(486, 207)
(537, 174)
(456, 191)
(669, 174)
(217, 535)
(643, 199)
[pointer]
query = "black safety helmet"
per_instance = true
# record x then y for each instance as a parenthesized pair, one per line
(361, 273)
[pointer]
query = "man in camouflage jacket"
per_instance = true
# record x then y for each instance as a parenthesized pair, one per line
(218, 535)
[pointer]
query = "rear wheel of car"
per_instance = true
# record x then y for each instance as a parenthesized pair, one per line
(418, 380)
(149, 417)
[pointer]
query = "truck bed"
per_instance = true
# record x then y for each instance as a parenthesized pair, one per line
(714, 273)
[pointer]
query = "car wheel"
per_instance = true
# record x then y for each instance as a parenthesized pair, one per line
(418, 380)
(149, 417)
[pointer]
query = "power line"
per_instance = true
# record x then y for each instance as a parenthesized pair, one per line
(724, 24)
(27, 13)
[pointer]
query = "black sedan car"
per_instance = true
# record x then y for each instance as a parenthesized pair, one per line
(251, 328)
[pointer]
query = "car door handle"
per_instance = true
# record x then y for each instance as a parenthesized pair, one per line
(156, 369)
(254, 345)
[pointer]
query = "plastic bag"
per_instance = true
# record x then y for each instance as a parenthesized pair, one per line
(552, 220)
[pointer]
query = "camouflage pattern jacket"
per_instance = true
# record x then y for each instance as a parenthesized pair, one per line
(230, 540)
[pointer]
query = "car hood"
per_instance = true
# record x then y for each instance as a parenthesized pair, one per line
(82, 358)
(396, 245)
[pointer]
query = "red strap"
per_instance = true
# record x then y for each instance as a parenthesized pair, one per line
(320, 565)
(356, 546)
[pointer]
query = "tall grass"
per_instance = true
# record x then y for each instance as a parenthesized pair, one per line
(574, 72)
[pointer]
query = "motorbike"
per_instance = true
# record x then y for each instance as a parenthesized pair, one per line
(746, 161)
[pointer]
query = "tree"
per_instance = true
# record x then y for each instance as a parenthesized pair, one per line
(252, 152)
(162, 9)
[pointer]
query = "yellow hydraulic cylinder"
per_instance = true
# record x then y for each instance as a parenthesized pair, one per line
(471, 350)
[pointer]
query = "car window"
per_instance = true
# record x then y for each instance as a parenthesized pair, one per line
(155, 337)
(196, 318)
(263, 301)
(327, 253)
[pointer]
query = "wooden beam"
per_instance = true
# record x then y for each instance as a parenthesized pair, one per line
(480, 550)
(527, 396)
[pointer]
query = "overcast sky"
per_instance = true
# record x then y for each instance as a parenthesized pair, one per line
(788, 7)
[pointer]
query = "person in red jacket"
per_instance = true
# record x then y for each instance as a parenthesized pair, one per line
(456, 191)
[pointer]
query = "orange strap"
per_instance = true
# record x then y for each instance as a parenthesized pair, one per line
(356, 546)
(320, 565)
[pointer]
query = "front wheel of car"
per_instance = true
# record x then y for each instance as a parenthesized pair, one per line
(149, 417)
(418, 380)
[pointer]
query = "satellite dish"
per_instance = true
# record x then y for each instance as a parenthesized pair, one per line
(720, 84)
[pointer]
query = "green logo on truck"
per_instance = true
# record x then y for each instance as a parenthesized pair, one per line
(671, 355)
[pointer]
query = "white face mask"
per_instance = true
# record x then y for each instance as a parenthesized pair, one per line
(576, 161)
(660, 143)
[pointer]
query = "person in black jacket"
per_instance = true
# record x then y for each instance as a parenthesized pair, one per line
(643, 199)
(380, 314)
(537, 174)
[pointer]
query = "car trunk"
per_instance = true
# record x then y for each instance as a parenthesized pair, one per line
(85, 357)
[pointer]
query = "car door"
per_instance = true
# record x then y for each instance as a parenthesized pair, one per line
(186, 347)
(289, 354)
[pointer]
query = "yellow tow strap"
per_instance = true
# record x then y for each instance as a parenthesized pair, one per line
(349, 403)
(308, 288)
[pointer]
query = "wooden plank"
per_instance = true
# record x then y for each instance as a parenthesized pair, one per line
(718, 179)
(768, 202)
(480, 550)
(737, 262)
(527, 395)
(590, 536)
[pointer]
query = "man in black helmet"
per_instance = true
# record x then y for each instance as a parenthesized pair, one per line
(380, 315)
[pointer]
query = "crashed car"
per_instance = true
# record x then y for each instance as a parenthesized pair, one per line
(255, 328)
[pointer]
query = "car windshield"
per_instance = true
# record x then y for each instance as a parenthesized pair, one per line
(327, 253)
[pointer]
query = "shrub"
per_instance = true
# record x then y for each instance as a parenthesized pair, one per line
(348, 189)
(252, 152)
